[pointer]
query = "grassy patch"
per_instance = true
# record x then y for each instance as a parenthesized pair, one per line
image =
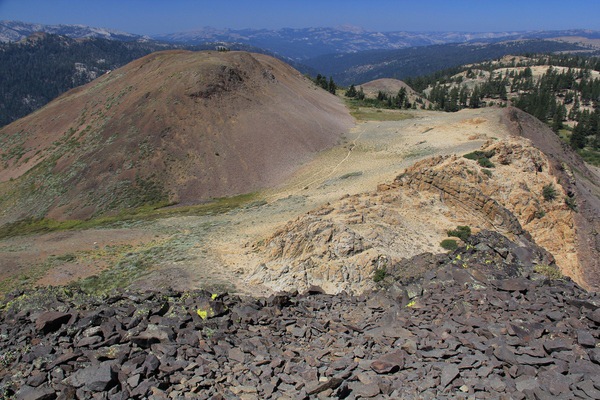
(149, 212)
(376, 114)
(571, 203)
(487, 172)
(379, 275)
(549, 192)
(449, 244)
(590, 156)
(482, 158)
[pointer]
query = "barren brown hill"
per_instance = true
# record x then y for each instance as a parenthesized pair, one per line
(388, 86)
(174, 126)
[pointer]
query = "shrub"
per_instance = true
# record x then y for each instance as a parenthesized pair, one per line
(482, 157)
(570, 202)
(476, 155)
(449, 244)
(461, 232)
(487, 172)
(485, 162)
(379, 274)
(549, 192)
(549, 271)
(540, 214)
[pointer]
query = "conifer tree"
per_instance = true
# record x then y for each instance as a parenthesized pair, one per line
(331, 87)
(351, 92)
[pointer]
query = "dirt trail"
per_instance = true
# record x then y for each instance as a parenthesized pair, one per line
(201, 251)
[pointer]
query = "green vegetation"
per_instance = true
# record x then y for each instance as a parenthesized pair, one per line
(379, 274)
(351, 175)
(42, 225)
(487, 172)
(325, 84)
(540, 214)
(590, 156)
(383, 100)
(131, 266)
(462, 232)
(449, 244)
(571, 203)
(549, 271)
(549, 192)
(376, 114)
(485, 162)
(482, 158)
(566, 94)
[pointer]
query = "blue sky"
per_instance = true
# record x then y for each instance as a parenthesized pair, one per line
(166, 16)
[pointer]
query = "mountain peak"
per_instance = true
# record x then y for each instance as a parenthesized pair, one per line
(175, 126)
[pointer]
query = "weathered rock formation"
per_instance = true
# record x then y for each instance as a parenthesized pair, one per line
(339, 246)
(578, 182)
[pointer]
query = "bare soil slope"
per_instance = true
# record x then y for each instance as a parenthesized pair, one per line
(174, 126)
(386, 85)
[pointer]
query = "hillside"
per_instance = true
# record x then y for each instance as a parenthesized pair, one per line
(173, 127)
(40, 67)
(560, 90)
(387, 86)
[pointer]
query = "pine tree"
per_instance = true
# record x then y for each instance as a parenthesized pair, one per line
(401, 97)
(463, 96)
(361, 94)
(557, 120)
(351, 92)
(331, 87)
(475, 101)
(578, 137)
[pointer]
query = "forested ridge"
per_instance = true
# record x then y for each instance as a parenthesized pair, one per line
(37, 70)
(564, 92)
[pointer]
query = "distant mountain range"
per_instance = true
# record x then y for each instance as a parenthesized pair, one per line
(306, 43)
(38, 67)
(13, 31)
(364, 66)
(296, 44)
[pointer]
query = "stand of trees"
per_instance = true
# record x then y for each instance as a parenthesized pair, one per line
(328, 85)
(35, 72)
(560, 95)
(383, 100)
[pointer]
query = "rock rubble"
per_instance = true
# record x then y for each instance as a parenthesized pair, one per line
(480, 324)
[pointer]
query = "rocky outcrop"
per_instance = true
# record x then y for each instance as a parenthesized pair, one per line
(508, 197)
(581, 185)
(468, 329)
(455, 188)
(341, 245)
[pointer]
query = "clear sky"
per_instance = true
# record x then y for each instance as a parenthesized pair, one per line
(167, 16)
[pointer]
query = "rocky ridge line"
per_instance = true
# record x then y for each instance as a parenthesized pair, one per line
(340, 245)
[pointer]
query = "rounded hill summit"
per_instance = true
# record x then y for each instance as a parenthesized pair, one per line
(174, 126)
